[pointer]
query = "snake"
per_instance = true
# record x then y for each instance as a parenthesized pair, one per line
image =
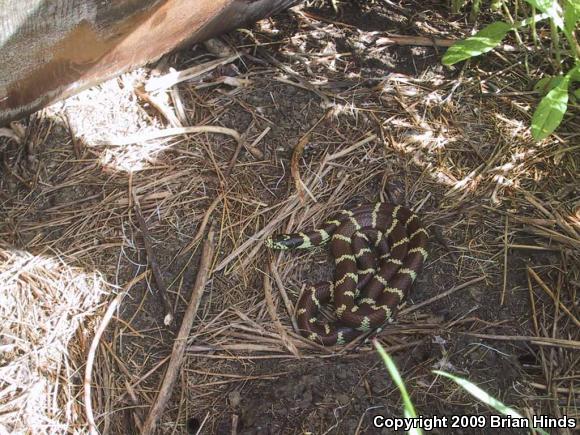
(379, 250)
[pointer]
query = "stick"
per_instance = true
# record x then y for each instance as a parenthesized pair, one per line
(181, 341)
(161, 287)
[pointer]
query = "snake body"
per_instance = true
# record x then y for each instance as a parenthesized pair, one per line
(378, 250)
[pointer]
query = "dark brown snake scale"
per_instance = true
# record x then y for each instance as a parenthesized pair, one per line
(378, 250)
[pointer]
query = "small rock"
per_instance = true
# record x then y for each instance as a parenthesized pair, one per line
(234, 398)
(343, 399)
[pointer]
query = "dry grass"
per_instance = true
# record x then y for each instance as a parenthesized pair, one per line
(500, 286)
(43, 303)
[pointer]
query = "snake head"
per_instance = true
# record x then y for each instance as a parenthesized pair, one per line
(278, 242)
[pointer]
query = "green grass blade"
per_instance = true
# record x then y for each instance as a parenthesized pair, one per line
(483, 41)
(482, 396)
(550, 111)
(408, 408)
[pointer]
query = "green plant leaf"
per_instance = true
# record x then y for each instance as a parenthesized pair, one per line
(552, 8)
(574, 73)
(546, 84)
(483, 41)
(483, 396)
(550, 111)
(571, 15)
(408, 408)
(456, 5)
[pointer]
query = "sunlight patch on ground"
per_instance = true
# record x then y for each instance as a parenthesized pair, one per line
(131, 158)
(43, 303)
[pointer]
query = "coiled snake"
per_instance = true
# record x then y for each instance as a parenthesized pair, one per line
(378, 250)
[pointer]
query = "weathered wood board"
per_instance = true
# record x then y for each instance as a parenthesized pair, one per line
(50, 49)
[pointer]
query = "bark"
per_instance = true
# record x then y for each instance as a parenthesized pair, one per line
(51, 49)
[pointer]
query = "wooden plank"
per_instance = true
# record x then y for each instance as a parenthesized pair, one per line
(50, 49)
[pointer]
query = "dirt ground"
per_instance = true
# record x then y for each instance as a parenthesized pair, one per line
(379, 121)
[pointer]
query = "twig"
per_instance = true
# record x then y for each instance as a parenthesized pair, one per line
(252, 147)
(158, 103)
(178, 106)
(505, 259)
(180, 343)
(174, 77)
(562, 390)
(73, 137)
(302, 82)
(201, 230)
(294, 166)
(549, 292)
(159, 134)
(295, 161)
(10, 134)
(161, 287)
(350, 149)
(285, 298)
(251, 240)
(90, 361)
(136, 418)
(144, 377)
(235, 419)
(542, 341)
(93, 350)
(441, 295)
(241, 143)
(9, 171)
(202, 424)
(533, 247)
(414, 40)
(274, 316)
(324, 20)
(428, 42)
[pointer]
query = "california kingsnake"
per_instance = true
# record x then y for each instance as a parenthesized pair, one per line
(378, 250)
